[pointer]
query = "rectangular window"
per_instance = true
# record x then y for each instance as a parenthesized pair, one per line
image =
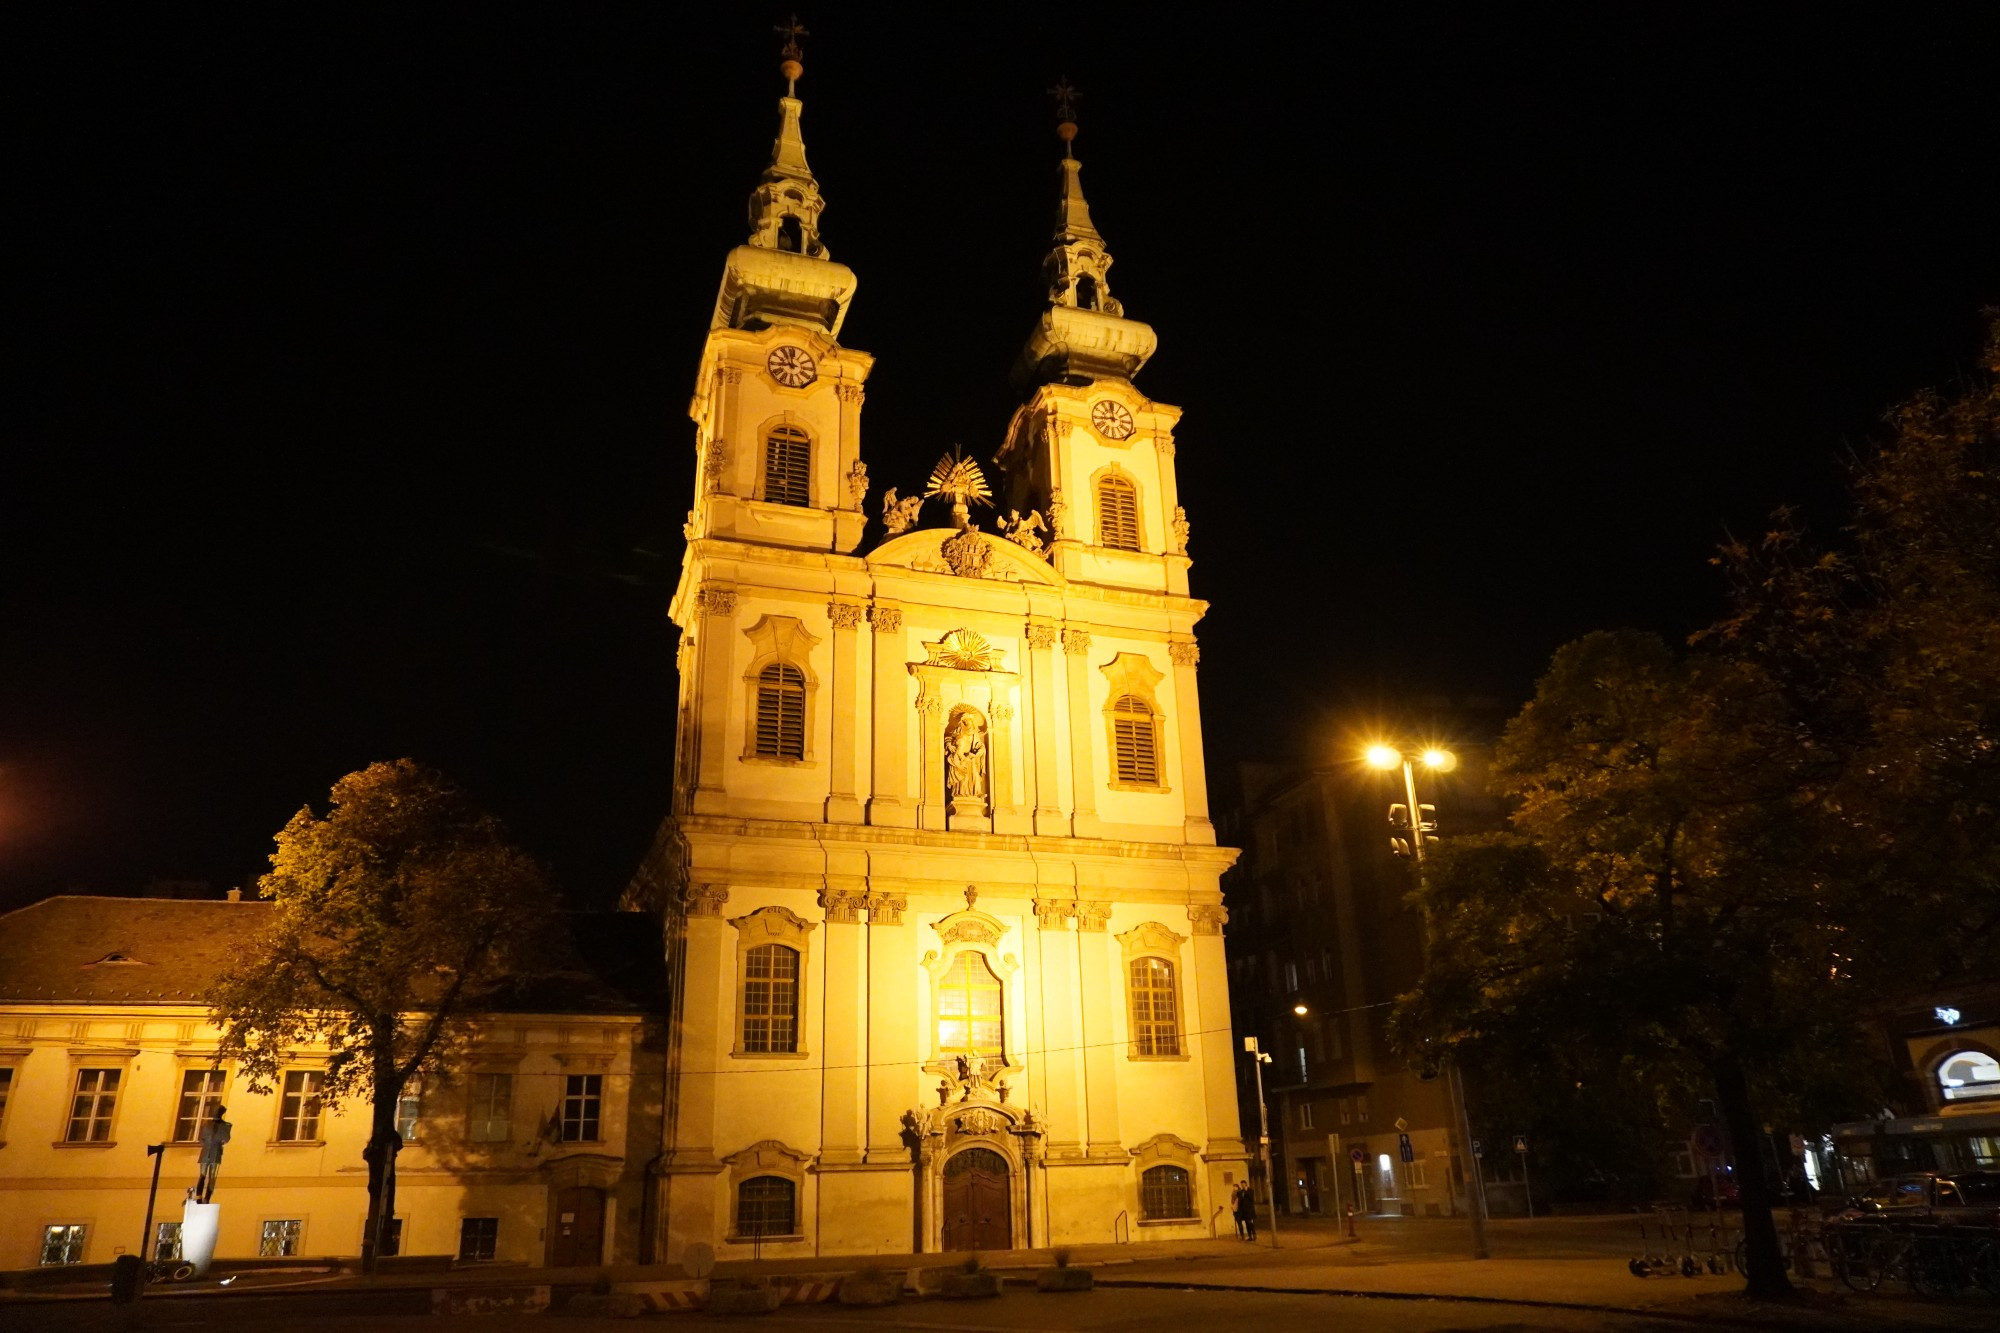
(6, 1091)
(201, 1094)
(1135, 747)
(90, 1111)
(1361, 1109)
(765, 1206)
(298, 1107)
(410, 1110)
(478, 1239)
(1346, 1110)
(1155, 1013)
(771, 999)
(1304, 1072)
(63, 1243)
(1418, 1179)
(1312, 971)
(788, 467)
(167, 1242)
(1305, 1115)
(490, 1116)
(582, 1104)
(280, 1238)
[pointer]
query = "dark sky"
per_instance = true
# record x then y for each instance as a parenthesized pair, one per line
(349, 349)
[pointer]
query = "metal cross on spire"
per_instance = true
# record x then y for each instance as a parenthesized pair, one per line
(1066, 97)
(792, 65)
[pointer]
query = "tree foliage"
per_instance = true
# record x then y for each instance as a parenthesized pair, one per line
(1721, 861)
(392, 916)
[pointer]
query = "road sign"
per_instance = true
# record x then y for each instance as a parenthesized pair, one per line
(1359, 1156)
(1521, 1144)
(1403, 1147)
(1707, 1141)
(1478, 1148)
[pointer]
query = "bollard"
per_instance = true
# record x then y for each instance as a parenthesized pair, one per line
(128, 1274)
(1350, 1223)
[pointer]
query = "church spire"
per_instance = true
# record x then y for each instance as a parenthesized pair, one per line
(785, 206)
(1077, 262)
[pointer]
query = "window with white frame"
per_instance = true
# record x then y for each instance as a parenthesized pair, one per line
(201, 1098)
(410, 1111)
(490, 1108)
(1156, 1026)
(1305, 1115)
(92, 1107)
(299, 1106)
(771, 999)
(280, 1237)
(478, 1239)
(62, 1243)
(582, 1108)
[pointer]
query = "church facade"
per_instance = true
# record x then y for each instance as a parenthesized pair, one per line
(941, 891)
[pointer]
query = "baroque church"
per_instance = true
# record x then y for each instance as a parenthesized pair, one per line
(940, 889)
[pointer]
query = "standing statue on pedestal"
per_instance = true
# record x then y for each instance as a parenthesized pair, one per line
(965, 758)
(213, 1137)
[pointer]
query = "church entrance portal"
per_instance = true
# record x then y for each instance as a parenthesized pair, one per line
(976, 1213)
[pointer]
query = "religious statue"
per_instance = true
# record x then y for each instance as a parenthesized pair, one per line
(958, 479)
(1181, 529)
(965, 758)
(213, 1136)
(857, 483)
(1058, 512)
(1021, 531)
(899, 516)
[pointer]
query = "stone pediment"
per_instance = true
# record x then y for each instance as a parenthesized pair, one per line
(1003, 560)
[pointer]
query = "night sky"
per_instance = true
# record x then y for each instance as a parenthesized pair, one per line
(349, 350)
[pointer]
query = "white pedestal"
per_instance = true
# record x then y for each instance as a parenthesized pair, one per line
(199, 1223)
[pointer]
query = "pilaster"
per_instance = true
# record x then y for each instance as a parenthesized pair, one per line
(1102, 990)
(716, 647)
(892, 1026)
(1061, 1065)
(848, 695)
(1185, 655)
(1207, 1009)
(1082, 771)
(1045, 795)
(844, 1111)
(888, 800)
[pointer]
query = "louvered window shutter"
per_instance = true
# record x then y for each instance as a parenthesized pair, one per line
(1117, 514)
(788, 466)
(1137, 758)
(781, 712)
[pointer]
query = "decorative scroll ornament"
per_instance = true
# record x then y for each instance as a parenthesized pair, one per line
(967, 553)
(886, 909)
(899, 516)
(958, 479)
(705, 899)
(842, 908)
(1093, 916)
(965, 649)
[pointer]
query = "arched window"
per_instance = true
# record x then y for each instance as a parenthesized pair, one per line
(790, 237)
(1968, 1074)
(1156, 1028)
(1117, 513)
(781, 712)
(771, 999)
(1135, 745)
(1165, 1193)
(766, 1206)
(1086, 292)
(788, 466)
(969, 1019)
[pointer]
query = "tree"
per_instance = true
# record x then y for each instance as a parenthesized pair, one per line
(393, 916)
(1722, 862)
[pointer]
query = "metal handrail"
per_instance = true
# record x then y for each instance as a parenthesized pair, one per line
(1125, 1217)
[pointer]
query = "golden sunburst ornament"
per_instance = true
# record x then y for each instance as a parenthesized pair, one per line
(958, 479)
(965, 649)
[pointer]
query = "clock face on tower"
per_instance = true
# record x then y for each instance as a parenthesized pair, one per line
(1113, 422)
(791, 367)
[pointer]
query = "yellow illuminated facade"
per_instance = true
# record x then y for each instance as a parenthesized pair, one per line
(942, 893)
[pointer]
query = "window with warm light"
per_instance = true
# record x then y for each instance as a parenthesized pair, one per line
(788, 466)
(969, 1017)
(92, 1107)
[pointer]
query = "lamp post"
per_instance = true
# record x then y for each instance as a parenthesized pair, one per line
(1438, 761)
(1258, 1059)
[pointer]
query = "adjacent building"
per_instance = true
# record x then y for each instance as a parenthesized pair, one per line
(941, 889)
(533, 1150)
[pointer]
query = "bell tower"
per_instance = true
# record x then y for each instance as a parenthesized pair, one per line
(1087, 450)
(777, 399)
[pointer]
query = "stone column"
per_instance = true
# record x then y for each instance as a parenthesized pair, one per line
(847, 698)
(716, 646)
(1205, 1013)
(1082, 772)
(892, 1025)
(888, 800)
(1045, 795)
(1103, 987)
(1185, 653)
(845, 1016)
(1007, 817)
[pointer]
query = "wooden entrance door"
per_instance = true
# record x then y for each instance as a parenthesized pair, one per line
(578, 1238)
(976, 1208)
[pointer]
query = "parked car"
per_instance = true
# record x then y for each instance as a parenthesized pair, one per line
(1933, 1196)
(1716, 1189)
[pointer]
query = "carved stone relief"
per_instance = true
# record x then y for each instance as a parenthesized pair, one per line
(716, 601)
(845, 615)
(886, 619)
(705, 899)
(1208, 918)
(1184, 652)
(967, 553)
(1076, 642)
(1093, 916)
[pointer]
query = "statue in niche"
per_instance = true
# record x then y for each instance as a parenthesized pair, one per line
(899, 516)
(965, 757)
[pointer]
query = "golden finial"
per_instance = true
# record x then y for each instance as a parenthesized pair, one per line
(1066, 97)
(791, 67)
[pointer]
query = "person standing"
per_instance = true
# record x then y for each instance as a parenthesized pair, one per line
(1246, 1212)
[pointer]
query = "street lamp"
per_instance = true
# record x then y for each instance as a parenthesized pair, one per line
(1258, 1059)
(1437, 760)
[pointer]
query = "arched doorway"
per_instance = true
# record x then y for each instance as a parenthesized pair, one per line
(977, 1186)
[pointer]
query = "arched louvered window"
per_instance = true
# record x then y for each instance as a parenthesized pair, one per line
(1134, 741)
(771, 999)
(788, 466)
(1165, 1192)
(781, 712)
(1117, 513)
(1156, 1027)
